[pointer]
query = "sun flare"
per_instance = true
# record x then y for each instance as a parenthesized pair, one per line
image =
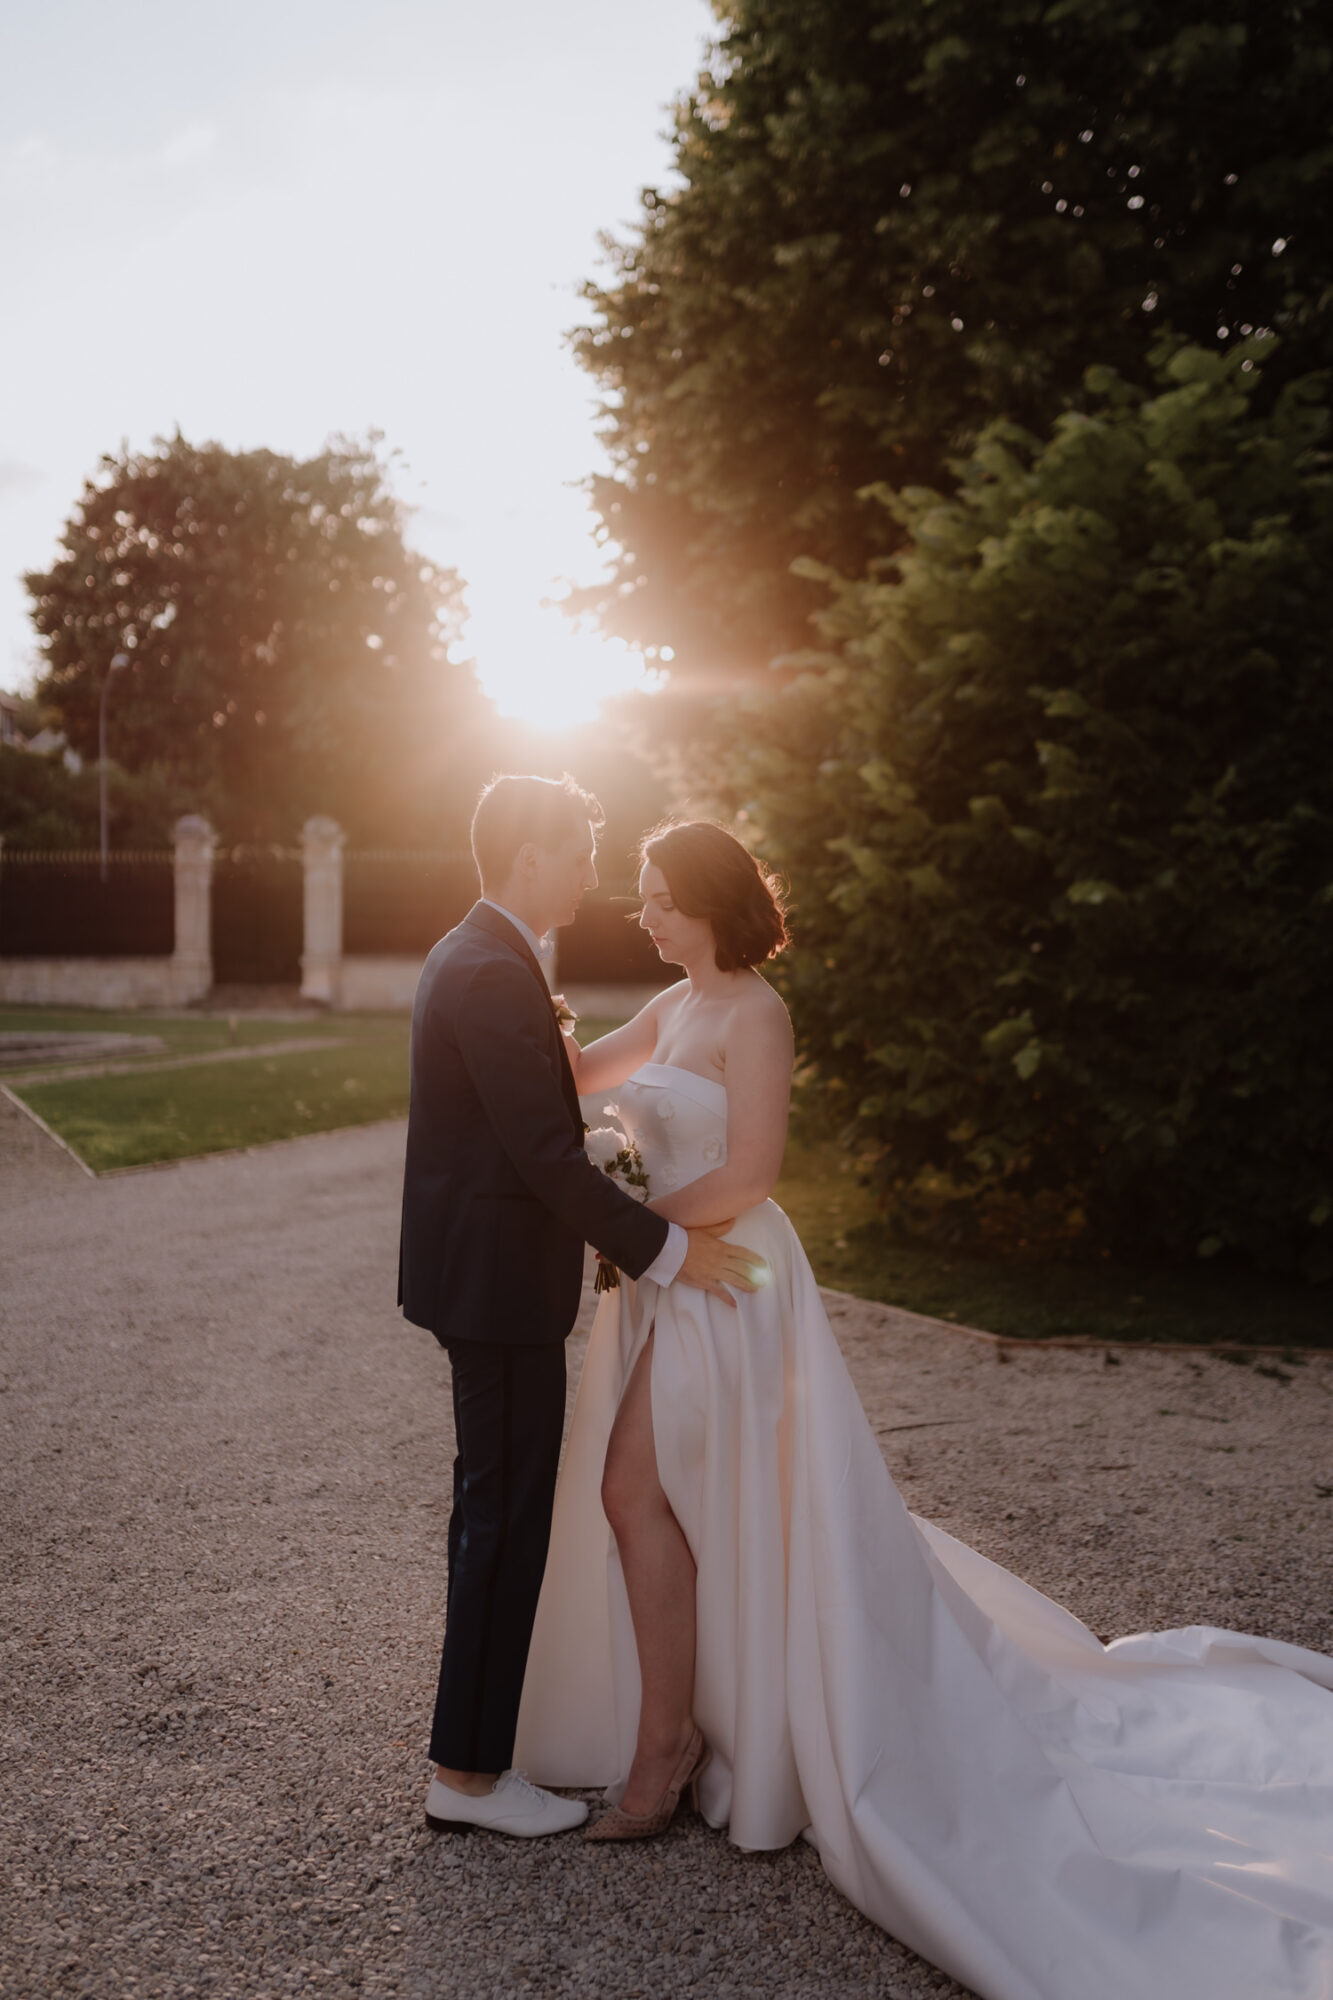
(541, 669)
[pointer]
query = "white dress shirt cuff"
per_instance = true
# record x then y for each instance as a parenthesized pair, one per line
(670, 1257)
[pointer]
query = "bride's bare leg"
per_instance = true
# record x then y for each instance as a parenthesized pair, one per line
(659, 1580)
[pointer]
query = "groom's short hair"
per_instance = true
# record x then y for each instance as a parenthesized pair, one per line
(512, 811)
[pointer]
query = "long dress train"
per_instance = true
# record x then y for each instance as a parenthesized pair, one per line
(1043, 1817)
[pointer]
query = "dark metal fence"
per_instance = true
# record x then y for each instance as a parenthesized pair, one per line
(58, 906)
(400, 904)
(258, 916)
(394, 905)
(604, 946)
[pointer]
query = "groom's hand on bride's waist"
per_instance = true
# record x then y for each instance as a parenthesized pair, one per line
(713, 1265)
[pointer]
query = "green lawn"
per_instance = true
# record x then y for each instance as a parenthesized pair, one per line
(183, 1034)
(140, 1119)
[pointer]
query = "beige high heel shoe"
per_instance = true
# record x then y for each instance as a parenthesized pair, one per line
(620, 1825)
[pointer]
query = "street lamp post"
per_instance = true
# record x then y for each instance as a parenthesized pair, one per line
(120, 660)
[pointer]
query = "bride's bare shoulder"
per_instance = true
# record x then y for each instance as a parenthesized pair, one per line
(669, 997)
(758, 1050)
(760, 1007)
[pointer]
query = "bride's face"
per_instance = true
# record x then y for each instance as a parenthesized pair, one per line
(680, 940)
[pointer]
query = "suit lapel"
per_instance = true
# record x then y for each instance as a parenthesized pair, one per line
(482, 917)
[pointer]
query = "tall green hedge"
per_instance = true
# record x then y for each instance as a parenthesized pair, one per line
(889, 222)
(1056, 802)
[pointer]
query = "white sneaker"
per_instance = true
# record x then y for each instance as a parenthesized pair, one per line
(513, 1805)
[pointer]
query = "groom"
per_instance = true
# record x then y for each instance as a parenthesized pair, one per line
(499, 1199)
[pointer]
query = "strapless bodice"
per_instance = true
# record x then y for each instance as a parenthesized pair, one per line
(678, 1121)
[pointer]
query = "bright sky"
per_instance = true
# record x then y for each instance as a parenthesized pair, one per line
(272, 220)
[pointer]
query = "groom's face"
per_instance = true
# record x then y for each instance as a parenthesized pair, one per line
(565, 874)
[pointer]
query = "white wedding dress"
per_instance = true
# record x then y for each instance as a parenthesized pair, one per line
(1043, 1817)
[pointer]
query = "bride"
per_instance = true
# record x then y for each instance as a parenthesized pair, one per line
(737, 1600)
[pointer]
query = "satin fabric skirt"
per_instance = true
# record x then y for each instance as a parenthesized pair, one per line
(1043, 1817)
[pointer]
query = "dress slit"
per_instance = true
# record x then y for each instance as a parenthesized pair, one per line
(1037, 1814)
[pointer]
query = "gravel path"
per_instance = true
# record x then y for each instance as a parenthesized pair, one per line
(224, 1464)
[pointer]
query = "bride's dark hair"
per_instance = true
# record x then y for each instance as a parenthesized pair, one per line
(711, 875)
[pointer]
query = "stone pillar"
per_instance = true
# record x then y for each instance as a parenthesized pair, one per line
(321, 960)
(192, 960)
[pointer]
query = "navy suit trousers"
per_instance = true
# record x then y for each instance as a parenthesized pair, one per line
(509, 1411)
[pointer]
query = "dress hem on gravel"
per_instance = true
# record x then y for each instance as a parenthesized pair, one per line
(1037, 1814)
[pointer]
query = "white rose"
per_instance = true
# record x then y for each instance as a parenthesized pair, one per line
(603, 1145)
(666, 1109)
(712, 1150)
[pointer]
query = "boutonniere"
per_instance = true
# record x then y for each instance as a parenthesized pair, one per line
(564, 1013)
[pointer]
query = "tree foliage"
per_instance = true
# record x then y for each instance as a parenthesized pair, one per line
(47, 808)
(288, 653)
(1057, 808)
(895, 222)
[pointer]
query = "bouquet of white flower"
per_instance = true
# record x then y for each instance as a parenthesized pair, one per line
(620, 1158)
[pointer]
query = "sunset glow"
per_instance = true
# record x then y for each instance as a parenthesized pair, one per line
(451, 169)
(540, 668)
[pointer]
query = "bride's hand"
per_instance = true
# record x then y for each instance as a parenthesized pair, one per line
(713, 1265)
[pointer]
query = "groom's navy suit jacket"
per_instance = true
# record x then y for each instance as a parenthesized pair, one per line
(499, 1196)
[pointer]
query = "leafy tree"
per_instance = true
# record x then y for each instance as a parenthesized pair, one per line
(1057, 807)
(288, 653)
(47, 808)
(895, 222)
